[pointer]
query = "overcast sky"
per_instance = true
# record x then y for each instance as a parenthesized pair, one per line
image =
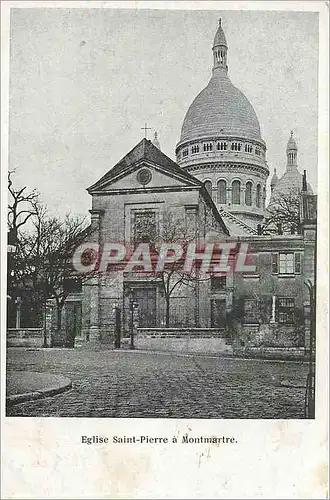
(84, 81)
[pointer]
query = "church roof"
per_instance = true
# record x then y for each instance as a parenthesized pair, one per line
(147, 151)
(144, 150)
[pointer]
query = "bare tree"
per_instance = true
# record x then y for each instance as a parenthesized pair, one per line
(174, 233)
(46, 256)
(283, 214)
(21, 205)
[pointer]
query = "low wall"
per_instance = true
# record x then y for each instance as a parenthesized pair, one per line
(199, 340)
(200, 345)
(205, 333)
(25, 337)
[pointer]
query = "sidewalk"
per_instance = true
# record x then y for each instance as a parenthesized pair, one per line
(25, 386)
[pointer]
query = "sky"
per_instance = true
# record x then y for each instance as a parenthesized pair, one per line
(84, 81)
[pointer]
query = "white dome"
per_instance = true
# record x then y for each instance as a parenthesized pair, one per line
(220, 110)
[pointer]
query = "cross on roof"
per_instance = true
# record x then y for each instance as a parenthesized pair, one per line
(145, 128)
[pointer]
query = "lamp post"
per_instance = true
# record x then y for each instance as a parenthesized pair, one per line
(116, 310)
(18, 303)
(132, 307)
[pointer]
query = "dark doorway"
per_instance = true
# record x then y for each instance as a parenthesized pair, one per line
(145, 298)
(73, 322)
(218, 313)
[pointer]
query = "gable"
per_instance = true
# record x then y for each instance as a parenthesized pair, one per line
(144, 153)
(144, 176)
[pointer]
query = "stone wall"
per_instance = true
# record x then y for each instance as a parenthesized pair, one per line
(189, 340)
(25, 337)
(187, 345)
(271, 335)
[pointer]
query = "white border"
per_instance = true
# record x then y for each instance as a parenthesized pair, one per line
(276, 459)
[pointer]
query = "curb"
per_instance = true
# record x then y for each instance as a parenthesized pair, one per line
(43, 393)
(211, 355)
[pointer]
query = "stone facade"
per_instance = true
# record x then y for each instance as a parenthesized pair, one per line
(116, 204)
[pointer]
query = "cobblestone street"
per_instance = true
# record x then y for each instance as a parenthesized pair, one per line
(138, 384)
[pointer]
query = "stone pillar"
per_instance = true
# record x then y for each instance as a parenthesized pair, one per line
(94, 325)
(48, 323)
(94, 328)
(18, 303)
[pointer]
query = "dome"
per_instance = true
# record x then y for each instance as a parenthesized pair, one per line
(292, 145)
(220, 110)
(274, 179)
(290, 184)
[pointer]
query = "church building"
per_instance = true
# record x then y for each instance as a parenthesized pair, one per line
(216, 186)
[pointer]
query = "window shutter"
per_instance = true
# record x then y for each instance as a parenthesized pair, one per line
(274, 263)
(297, 262)
(277, 303)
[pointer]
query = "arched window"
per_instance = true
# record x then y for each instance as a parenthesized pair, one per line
(236, 193)
(222, 192)
(208, 187)
(264, 198)
(258, 196)
(248, 194)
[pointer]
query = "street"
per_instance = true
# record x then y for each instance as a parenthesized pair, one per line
(109, 383)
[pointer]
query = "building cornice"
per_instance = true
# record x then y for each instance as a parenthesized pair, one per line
(226, 167)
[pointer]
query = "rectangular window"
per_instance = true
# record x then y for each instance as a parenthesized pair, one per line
(190, 221)
(286, 310)
(251, 311)
(218, 283)
(286, 263)
(144, 229)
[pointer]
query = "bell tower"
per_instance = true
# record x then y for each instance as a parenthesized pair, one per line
(220, 49)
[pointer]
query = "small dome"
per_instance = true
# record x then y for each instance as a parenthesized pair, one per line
(274, 178)
(290, 184)
(156, 141)
(291, 143)
(220, 109)
(220, 38)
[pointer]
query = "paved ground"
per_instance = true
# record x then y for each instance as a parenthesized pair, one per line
(135, 384)
(25, 382)
(25, 385)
